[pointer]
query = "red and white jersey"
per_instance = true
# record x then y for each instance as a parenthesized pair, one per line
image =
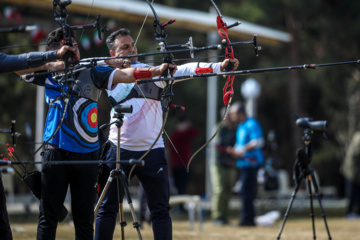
(141, 127)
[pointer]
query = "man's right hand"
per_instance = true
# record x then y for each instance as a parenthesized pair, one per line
(120, 63)
(64, 49)
(54, 66)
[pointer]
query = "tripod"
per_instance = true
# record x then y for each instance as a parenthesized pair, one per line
(119, 174)
(303, 171)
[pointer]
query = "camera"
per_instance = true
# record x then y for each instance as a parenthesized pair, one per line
(314, 125)
(123, 108)
(309, 123)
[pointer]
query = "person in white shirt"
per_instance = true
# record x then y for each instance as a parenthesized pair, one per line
(138, 132)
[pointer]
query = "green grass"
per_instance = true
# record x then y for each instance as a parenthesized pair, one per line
(297, 227)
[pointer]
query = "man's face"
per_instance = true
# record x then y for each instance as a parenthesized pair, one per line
(232, 116)
(236, 117)
(124, 45)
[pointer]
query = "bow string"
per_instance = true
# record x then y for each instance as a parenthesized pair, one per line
(160, 35)
(167, 94)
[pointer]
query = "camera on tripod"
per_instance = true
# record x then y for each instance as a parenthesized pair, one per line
(303, 156)
(309, 123)
(303, 171)
(118, 108)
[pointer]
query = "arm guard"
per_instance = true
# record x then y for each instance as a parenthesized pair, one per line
(36, 59)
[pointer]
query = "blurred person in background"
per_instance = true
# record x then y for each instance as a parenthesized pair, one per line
(249, 157)
(350, 169)
(182, 138)
(223, 170)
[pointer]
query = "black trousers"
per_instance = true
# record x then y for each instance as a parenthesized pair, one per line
(5, 230)
(155, 181)
(55, 179)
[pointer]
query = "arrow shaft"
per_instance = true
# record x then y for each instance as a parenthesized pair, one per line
(251, 71)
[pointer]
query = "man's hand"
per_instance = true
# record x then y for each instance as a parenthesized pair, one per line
(120, 63)
(64, 49)
(54, 66)
(165, 66)
(227, 61)
(235, 153)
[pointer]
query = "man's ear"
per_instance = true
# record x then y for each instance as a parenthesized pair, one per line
(112, 53)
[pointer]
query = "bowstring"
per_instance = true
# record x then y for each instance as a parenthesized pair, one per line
(136, 40)
(87, 18)
(166, 134)
(146, 100)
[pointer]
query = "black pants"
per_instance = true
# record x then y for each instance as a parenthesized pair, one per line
(55, 180)
(5, 231)
(155, 180)
(248, 194)
(353, 195)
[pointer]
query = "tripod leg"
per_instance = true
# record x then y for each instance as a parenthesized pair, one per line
(121, 209)
(316, 187)
(129, 200)
(103, 193)
(293, 195)
(309, 177)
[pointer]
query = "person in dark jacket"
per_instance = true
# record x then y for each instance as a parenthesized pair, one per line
(11, 63)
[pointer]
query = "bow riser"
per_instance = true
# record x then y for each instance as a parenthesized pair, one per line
(228, 90)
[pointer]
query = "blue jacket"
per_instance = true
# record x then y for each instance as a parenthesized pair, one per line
(249, 130)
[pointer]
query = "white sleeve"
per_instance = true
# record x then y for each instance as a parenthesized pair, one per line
(189, 68)
(111, 79)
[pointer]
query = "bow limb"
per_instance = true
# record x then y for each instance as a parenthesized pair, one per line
(228, 90)
(213, 136)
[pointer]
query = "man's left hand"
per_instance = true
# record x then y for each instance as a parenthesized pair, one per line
(227, 62)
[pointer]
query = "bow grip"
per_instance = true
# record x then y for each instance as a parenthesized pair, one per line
(229, 67)
(167, 72)
(68, 55)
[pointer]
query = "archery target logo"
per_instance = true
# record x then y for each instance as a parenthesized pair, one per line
(86, 119)
(90, 117)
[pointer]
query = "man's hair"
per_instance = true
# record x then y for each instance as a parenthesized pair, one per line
(110, 40)
(55, 37)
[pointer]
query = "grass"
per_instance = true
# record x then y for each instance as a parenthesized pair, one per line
(297, 227)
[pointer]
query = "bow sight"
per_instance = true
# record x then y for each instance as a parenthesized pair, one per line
(191, 48)
(60, 14)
